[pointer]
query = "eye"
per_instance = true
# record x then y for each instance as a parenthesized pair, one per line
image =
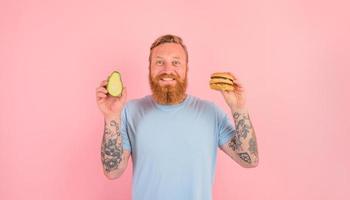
(176, 62)
(159, 62)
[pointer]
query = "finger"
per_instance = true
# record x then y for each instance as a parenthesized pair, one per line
(239, 85)
(100, 94)
(236, 84)
(239, 89)
(100, 99)
(103, 83)
(102, 89)
(235, 81)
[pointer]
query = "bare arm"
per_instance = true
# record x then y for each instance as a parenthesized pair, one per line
(114, 157)
(242, 148)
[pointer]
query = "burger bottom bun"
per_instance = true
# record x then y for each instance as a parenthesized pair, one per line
(223, 87)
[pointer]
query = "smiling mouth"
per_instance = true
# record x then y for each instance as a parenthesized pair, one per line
(167, 79)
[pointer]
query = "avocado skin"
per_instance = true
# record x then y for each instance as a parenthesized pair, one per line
(115, 84)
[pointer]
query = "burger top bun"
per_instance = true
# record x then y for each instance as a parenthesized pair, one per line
(226, 75)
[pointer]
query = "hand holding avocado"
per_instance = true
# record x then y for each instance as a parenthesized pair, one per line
(111, 95)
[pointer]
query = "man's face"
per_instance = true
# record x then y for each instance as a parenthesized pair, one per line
(168, 73)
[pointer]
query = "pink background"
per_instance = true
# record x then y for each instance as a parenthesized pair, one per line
(291, 56)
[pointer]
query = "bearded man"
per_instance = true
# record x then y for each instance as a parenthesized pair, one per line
(173, 136)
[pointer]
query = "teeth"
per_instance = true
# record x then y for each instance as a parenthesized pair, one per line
(167, 79)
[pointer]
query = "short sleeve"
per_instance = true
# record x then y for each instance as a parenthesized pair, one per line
(124, 130)
(226, 129)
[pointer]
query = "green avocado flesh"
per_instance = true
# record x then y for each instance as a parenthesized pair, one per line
(115, 85)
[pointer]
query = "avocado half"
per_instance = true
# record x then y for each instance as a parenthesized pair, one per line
(115, 84)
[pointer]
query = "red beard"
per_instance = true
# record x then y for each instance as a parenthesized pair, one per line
(168, 94)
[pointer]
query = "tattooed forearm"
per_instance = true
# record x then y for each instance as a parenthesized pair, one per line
(111, 149)
(244, 139)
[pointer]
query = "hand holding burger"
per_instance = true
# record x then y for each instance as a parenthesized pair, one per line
(230, 88)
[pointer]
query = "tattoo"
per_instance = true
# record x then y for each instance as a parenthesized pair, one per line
(243, 127)
(245, 156)
(243, 141)
(252, 146)
(236, 115)
(111, 150)
(113, 123)
(235, 143)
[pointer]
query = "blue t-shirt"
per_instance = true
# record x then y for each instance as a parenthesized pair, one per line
(173, 147)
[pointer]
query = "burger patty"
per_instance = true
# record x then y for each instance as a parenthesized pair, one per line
(224, 83)
(221, 84)
(220, 77)
(220, 80)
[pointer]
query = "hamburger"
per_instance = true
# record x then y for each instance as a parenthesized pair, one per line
(223, 81)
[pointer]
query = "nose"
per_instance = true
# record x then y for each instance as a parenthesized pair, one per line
(168, 68)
